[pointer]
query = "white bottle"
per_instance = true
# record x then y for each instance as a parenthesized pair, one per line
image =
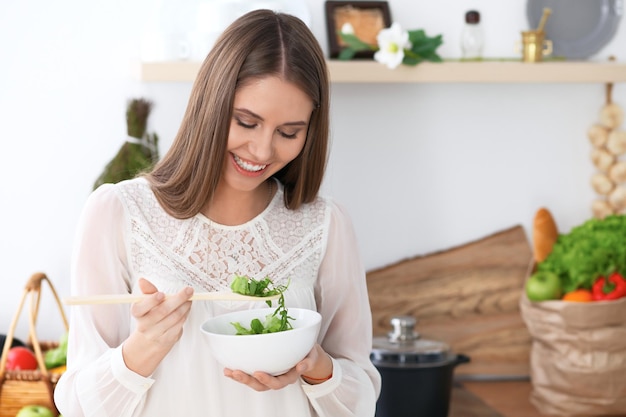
(472, 38)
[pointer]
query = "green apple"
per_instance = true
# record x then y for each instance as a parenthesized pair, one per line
(58, 356)
(34, 411)
(543, 286)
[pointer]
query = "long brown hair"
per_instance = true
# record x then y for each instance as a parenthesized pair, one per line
(258, 44)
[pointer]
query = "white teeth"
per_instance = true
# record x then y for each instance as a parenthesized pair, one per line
(248, 166)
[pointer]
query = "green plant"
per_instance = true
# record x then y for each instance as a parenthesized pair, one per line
(394, 46)
(139, 152)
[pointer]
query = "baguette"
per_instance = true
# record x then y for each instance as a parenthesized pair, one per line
(545, 234)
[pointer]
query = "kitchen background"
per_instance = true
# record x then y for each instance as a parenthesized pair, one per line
(421, 167)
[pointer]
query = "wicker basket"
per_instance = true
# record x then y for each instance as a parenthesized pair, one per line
(21, 388)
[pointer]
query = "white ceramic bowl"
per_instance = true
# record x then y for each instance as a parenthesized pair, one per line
(273, 353)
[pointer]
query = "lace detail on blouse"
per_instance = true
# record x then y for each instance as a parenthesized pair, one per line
(280, 243)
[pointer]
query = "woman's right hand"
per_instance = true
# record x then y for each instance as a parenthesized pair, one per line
(160, 322)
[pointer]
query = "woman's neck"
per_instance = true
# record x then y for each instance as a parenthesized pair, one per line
(231, 207)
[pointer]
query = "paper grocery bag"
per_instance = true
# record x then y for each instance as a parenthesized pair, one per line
(577, 356)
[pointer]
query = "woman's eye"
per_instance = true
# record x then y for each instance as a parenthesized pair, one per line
(284, 134)
(245, 125)
(288, 135)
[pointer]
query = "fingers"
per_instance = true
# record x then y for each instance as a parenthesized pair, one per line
(317, 361)
(279, 381)
(145, 306)
(157, 298)
(316, 366)
(160, 321)
(260, 381)
(146, 286)
(162, 317)
(140, 309)
(245, 379)
(309, 361)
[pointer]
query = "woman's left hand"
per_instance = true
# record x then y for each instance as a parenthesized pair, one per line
(317, 362)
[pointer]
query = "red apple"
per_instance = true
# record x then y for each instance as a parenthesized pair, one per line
(21, 358)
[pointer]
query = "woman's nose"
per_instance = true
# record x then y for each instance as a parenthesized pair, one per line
(262, 146)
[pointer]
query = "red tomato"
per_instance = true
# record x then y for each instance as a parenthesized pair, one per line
(21, 358)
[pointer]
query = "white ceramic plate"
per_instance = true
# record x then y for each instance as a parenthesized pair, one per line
(578, 29)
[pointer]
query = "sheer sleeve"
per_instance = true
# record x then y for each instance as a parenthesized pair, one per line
(346, 333)
(97, 382)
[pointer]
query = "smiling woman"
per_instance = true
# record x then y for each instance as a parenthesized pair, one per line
(264, 137)
(237, 194)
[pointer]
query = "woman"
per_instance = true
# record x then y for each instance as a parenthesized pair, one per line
(236, 194)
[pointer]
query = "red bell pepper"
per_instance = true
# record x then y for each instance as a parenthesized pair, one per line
(610, 288)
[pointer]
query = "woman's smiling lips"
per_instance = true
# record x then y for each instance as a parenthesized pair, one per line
(246, 167)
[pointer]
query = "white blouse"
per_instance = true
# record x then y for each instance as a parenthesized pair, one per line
(124, 234)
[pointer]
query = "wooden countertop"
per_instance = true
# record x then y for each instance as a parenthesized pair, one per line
(463, 403)
(493, 399)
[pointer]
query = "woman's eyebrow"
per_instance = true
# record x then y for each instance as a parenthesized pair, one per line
(249, 113)
(256, 116)
(301, 123)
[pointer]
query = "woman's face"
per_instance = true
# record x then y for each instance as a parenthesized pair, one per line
(267, 131)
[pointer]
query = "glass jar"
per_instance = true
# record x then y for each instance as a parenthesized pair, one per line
(472, 38)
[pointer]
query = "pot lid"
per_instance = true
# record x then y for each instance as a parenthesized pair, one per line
(403, 346)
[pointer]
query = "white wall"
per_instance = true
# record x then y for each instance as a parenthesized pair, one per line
(421, 167)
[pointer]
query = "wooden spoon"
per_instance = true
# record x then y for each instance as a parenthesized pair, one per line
(132, 298)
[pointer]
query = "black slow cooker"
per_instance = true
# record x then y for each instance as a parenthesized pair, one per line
(417, 374)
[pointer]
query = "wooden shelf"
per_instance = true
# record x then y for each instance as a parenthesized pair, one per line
(167, 71)
(480, 72)
(447, 72)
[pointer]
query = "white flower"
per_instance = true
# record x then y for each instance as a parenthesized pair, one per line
(347, 28)
(391, 44)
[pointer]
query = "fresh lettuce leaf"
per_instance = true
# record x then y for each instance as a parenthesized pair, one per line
(595, 248)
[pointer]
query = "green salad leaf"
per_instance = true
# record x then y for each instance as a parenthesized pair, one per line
(272, 324)
(262, 288)
(278, 321)
(595, 248)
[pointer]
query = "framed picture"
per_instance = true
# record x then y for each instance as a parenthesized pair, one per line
(367, 19)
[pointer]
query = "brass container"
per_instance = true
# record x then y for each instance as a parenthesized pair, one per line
(535, 46)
